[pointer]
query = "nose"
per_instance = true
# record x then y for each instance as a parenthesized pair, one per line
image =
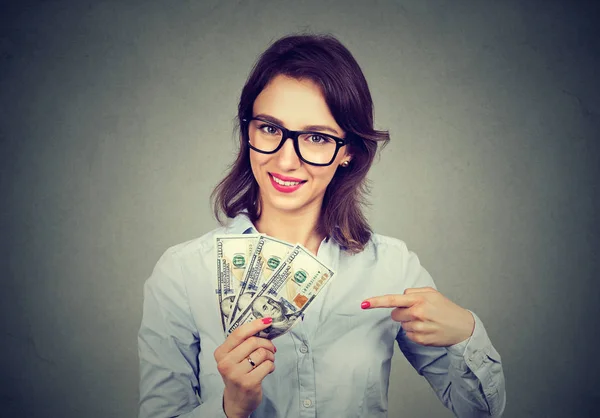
(288, 159)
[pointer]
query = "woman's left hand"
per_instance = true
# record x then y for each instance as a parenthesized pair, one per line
(427, 316)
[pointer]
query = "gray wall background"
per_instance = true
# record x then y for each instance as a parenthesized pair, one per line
(116, 122)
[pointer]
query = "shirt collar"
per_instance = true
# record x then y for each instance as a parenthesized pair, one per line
(241, 224)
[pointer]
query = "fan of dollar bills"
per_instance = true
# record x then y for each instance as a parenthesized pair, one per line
(260, 276)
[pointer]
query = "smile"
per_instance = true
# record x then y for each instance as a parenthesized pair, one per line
(285, 184)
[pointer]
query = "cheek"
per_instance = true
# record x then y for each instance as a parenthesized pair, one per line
(257, 161)
(324, 174)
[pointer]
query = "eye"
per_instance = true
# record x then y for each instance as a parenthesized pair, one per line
(268, 129)
(318, 139)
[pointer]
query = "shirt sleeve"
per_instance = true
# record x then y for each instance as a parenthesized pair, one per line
(168, 347)
(459, 348)
(467, 377)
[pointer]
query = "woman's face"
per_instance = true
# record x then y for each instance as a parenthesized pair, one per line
(296, 105)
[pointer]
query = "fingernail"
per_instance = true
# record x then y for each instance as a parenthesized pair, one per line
(275, 348)
(366, 304)
(267, 320)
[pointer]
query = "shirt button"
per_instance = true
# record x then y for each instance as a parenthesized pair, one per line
(303, 349)
(307, 403)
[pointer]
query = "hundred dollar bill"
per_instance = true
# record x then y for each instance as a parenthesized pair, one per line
(268, 255)
(233, 253)
(287, 294)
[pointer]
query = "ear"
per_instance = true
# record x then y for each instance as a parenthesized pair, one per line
(347, 155)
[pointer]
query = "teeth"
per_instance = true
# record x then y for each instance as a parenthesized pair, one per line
(285, 183)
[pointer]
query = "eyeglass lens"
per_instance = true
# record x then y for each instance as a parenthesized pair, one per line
(315, 148)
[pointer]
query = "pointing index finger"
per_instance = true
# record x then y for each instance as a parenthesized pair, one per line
(419, 290)
(390, 301)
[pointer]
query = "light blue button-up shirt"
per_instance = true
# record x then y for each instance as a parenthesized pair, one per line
(334, 363)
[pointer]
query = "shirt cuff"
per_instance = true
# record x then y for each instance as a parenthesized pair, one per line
(458, 349)
(475, 349)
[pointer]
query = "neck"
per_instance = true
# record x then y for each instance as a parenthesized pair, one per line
(294, 227)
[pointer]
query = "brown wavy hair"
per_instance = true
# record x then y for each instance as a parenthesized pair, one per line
(322, 59)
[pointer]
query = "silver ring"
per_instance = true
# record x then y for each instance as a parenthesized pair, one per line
(251, 362)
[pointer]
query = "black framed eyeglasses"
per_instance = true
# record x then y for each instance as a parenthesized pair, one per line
(314, 148)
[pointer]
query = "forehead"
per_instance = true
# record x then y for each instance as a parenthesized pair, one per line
(295, 102)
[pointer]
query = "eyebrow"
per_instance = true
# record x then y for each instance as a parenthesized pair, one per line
(305, 128)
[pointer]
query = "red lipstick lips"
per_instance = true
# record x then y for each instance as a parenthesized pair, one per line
(284, 179)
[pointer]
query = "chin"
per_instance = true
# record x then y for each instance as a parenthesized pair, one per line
(288, 203)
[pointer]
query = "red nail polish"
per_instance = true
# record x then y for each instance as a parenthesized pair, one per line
(366, 304)
(275, 348)
(267, 320)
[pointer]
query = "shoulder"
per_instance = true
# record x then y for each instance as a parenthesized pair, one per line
(381, 250)
(395, 256)
(387, 243)
(385, 247)
(193, 247)
(182, 256)
(391, 257)
(379, 247)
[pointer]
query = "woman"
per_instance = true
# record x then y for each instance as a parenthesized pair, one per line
(306, 144)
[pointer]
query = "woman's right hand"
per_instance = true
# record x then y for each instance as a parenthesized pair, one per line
(243, 390)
